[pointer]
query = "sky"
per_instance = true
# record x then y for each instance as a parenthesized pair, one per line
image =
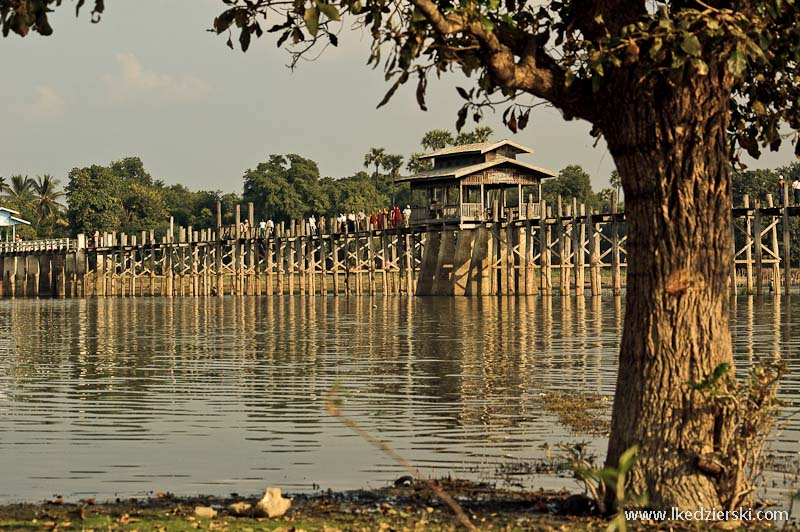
(150, 81)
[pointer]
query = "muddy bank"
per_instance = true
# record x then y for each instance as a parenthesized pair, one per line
(411, 508)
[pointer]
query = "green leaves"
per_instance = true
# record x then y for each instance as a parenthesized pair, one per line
(311, 18)
(691, 45)
(330, 11)
(712, 382)
(737, 62)
(312, 13)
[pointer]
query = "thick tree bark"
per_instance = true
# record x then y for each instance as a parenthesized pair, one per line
(670, 147)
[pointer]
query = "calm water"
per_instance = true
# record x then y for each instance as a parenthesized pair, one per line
(124, 397)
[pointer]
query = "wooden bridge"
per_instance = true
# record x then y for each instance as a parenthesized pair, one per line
(566, 251)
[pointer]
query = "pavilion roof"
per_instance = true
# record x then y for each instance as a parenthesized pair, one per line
(457, 172)
(15, 220)
(479, 147)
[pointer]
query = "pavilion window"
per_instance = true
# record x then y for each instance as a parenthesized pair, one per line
(419, 197)
(511, 196)
(530, 194)
(451, 195)
(472, 194)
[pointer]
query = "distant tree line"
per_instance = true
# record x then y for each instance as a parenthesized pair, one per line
(122, 196)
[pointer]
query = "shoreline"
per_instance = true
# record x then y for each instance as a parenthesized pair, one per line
(412, 507)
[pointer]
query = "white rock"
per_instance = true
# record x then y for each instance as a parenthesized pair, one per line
(272, 504)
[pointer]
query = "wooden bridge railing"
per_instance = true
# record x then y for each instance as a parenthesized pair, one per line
(537, 249)
(24, 246)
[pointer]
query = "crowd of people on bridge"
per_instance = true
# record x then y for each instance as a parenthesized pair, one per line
(344, 222)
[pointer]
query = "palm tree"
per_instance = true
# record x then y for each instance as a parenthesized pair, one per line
(392, 163)
(20, 195)
(437, 139)
(48, 207)
(375, 156)
(3, 185)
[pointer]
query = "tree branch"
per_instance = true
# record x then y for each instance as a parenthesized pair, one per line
(536, 72)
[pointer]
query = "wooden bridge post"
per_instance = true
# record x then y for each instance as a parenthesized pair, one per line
(594, 257)
(218, 252)
(511, 272)
(152, 244)
(371, 258)
(319, 260)
(408, 257)
(748, 245)
(237, 252)
(290, 269)
(394, 262)
(359, 250)
(334, 263)
(616, 283)
(563, 251)
(385, 260)
(251, 250)
(501, 257)
(311, 260)
(99, 266)
(299, 233)
(269, 252)
(544, 254)
(132, 262)
(757, 235)
(111, 269)
(579, 237)
(280, 246)
(774, 248)
(787, 266)
(349, 282)
(169, 260)
(530, 281)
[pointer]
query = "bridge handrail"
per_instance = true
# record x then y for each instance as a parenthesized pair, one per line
(51, 244)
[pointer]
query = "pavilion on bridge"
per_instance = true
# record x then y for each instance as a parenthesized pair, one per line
(10, 219)
(477, 182)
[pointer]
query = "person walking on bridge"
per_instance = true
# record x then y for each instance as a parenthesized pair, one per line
(407, 215)
(796, 190)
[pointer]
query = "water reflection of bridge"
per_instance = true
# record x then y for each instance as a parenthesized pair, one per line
(444, 386)
(567, 251)
(401, 348)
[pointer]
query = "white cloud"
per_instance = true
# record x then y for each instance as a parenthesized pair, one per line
(134, 81)
(47, 103)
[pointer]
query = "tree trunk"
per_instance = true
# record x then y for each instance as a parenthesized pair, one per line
(670, 147)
